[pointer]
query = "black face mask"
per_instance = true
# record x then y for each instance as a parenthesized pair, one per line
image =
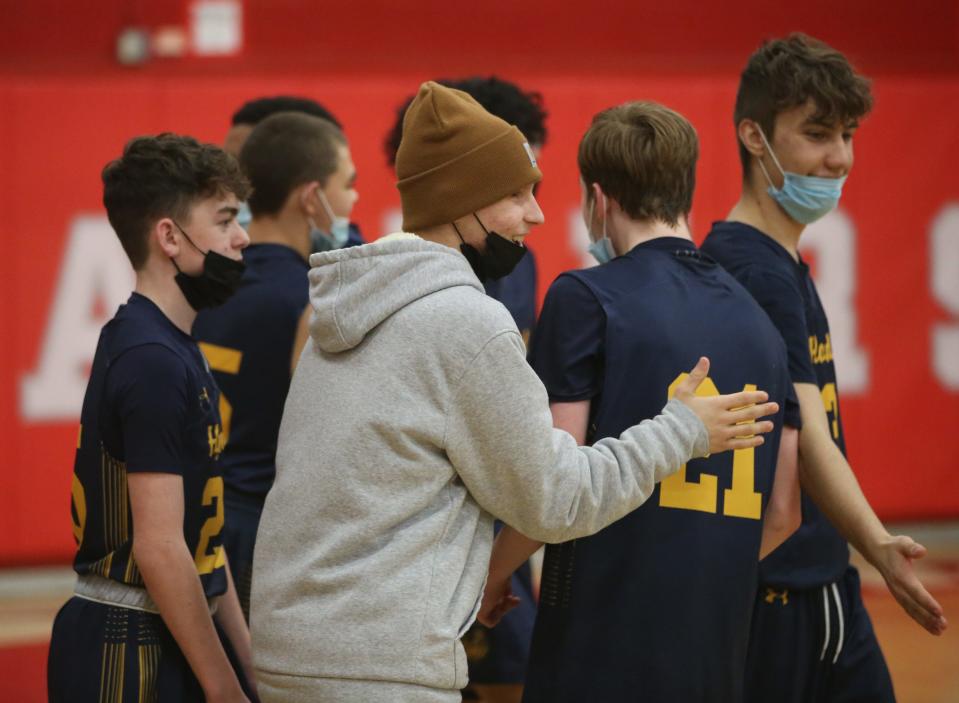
(500, 257)
(219, 280)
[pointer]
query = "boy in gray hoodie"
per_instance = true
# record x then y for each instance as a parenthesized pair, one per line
(413, 419)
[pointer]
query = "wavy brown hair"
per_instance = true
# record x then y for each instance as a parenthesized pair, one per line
(164, 176)
(785, 73)
(643, 155)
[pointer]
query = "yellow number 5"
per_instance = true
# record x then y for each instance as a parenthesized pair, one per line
(207, 563)
(224, 360)
(741, 500)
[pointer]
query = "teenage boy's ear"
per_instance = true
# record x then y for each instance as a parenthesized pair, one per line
(307, 197)
(749, 135)
(166, 235)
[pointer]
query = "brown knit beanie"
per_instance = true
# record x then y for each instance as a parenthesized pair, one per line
(455, 158)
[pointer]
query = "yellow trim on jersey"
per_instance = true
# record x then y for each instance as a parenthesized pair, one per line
(78, 497)
(222, 359)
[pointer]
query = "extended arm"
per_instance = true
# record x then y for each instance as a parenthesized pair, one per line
(827, 477)
(512, 548)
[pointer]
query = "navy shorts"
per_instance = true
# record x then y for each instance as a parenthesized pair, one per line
(815, 646)
(119, 655)
(239, 537)
(500, 655)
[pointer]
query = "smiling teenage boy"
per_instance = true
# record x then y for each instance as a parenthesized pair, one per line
(797, 108)
(413, 419)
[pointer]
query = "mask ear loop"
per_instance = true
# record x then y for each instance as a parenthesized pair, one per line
(589, 219)
(458, 232)
(481, 224)
(187, 236)
(326, 206)
(605, 218)
(762, 135)
(183, 231)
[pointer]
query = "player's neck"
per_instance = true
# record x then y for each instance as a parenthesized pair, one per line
(758, 209)
(158, 284)
(441, 234)
(287, 229)
(631, 233)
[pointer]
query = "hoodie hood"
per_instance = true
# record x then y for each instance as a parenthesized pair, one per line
(355, 289)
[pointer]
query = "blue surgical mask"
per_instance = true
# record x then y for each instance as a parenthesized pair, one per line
(602, 249)
(243, 216)
(339, 228)
(804, 198)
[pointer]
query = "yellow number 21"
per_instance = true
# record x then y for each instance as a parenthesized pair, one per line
(741, 500)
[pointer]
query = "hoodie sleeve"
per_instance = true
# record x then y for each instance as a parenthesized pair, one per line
(501, 441)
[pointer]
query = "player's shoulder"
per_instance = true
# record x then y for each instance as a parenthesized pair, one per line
(139, 323)
(456, 323)
(739, 246)
(276, 273)
(576, 283)
(469, 308)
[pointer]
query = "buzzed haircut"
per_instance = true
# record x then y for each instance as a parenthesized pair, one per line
(643, 155)
(164, 176)
(283, 152)
(786, 73)
(257, 110)
(498, 97)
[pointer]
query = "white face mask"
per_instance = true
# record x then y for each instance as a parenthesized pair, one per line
(601, 249)
(339, 228)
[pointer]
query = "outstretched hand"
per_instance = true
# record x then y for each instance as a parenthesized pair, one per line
(731, 420)
(894, 561)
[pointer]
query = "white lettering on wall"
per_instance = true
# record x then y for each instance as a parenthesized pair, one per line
(944, 281)
(833, 240)
(95, 278)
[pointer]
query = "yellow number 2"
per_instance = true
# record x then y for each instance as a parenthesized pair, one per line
(206, 563)
(741, 500)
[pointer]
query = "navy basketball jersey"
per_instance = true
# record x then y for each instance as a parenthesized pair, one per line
(150, 406)
(249, 344)
(815, 554)
(517, 291)
(656, 607)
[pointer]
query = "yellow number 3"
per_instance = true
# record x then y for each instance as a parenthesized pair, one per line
(739, 501)
(207, 563)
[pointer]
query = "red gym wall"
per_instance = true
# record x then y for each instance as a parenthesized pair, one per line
(887, 262)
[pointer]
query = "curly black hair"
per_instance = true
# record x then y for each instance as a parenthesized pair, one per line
(255, 111)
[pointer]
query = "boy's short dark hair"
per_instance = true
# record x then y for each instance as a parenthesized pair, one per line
(285, 151)
(164, 176)
(498, 97)
(785, 73)
(643, 155)
(255, 111)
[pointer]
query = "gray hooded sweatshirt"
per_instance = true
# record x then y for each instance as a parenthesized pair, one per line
(412, 420)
